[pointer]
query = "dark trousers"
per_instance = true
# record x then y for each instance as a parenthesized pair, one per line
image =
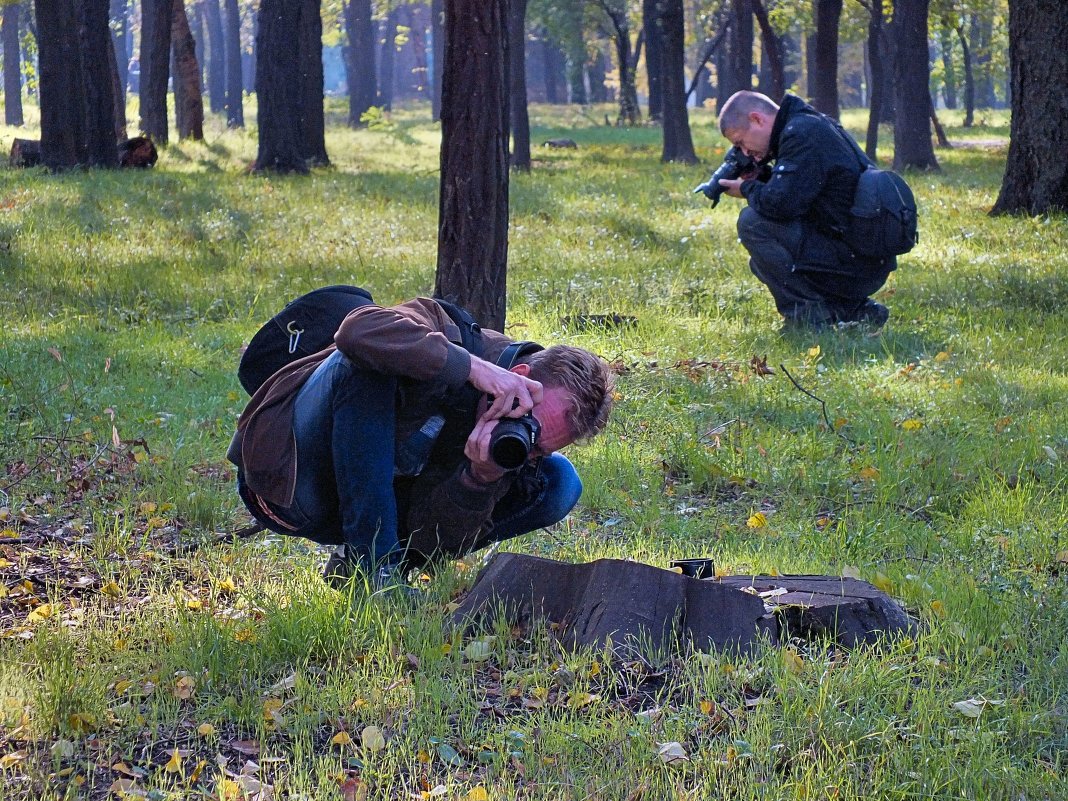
(812, 277)
(344, 425)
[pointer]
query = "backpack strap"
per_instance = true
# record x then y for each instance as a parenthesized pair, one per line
(470, 330)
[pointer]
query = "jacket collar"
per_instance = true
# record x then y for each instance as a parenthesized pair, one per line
(790, 105)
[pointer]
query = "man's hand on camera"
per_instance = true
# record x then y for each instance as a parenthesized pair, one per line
(733, 187)
(513, 395)
(482, 468)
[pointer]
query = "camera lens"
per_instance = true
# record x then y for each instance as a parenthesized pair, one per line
(511, 441)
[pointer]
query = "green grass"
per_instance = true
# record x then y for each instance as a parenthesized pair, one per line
(127, 297)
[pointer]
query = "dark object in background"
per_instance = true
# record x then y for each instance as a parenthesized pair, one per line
(25, 153)
(512, 440)
(138, 151)
(735, 164)
(696, 568)
(571, 144)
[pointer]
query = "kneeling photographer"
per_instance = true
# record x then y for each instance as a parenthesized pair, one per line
(799, 210)
(404, 442)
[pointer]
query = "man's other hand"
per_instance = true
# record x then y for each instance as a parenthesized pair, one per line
(513, 395)
(483, 469)
(733, 187)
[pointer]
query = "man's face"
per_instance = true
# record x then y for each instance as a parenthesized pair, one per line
(754, 140)
(554, 414)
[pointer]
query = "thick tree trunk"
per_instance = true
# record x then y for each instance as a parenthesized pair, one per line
(235, 101)
(969, 79)
(740, 49)
(216, 58)
(473, 207)
(1036, 173)
(361, 59)
(122, 41)
(385, 66)
(155, 67)
(678, 143)
(94, 35)
(878, 78)
(517, 75)
(310, 97)
(654, 39)
(188, 99)
(12, 66)
(437, 32)
(912, 127)
(62, 98)
(773, 51)
(118, 98)
(278, 87)
(825, 76)
(949, 71)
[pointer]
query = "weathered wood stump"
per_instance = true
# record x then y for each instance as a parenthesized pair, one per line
(569, 144)
(25, 153)
(632, 603)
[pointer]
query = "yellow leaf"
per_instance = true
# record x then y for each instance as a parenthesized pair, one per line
(813, 352)
(148, 507)
(205, 730)
(197, 771)
(839, 423)
(120, 644)
(185, 687)
(226, 585)
(938, 608)
(477, 794)
(912, 424)
(12, 759)
(757, 520)
(157, 522)
(175, 763)
(194, 604)
(372, 738)
(595, 668)
(245, 635)
(112, 590)
(121, 686)
(793, 661)
(272, 711)
(883, 582)
(721, 571)
(42, 612)
(941, 356)
(707, 707)
(341, 739)
(423, 757)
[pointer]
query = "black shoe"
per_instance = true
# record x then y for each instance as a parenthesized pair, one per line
(873, 314)
(339, 568)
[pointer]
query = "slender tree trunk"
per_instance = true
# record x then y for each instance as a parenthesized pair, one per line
(595, 70)
(740, 50)
(554, 72)
(385, 67)
(361, 49)
(1036, 172)
(216, 58)
(825, 89)
(188, 99)
(912, 127)
(235, 103)
(12, 66)
(949, 79)
(678, 143)
(437, 31)
(155, 67)
(773, 50)
(473, 208)
(310, 96)
(278, 87)
(981, 34)
(123, 41)
(62, 98)
(653, 64)
(629, 113)
(940, 132)
(517, 39)
(118, 98)
(969, 79)
(878, 78)
(576, 79)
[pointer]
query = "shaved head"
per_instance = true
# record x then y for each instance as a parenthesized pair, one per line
(736, 111)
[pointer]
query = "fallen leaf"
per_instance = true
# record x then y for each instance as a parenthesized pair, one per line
(973, 707)
(912, 424)
(883, 582)
(938, 608)
(479, 650)
(205, 730)
(672, 752)
(869, 473)
(226, 586)
(56, 354)
(757, 520)
(112, 590)
(247, 747)
(477, 794)
(793, 661)
(449, 755)
(341, 739)
(175, 763)
(352, 789)
(63, 749)
(185, 687)
(285, 684)
(372, 738)
(126, 788)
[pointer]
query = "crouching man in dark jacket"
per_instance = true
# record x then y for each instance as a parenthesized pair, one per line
(379, 445)
(798, 209)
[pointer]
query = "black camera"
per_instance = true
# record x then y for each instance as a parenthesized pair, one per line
(512, 440)
(735, 164)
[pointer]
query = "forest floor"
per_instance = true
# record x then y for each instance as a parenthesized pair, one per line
(143, 654)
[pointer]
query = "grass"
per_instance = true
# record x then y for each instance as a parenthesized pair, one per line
(130, 655)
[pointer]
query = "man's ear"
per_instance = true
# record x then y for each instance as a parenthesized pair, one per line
(521, 369)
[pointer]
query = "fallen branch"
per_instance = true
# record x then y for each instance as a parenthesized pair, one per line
(823, 405)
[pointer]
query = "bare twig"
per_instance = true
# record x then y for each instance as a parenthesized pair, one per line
(823, 405)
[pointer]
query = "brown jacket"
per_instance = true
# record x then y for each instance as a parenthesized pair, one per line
(418, 343)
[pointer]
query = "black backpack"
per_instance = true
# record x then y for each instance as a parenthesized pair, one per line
(307, 325)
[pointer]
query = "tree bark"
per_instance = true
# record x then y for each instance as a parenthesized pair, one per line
(595, 70)
(123, 41)
(437, 32)
(473, 205)
(1036, 173)
(773, 51)
(216, 58)
(361, 59)
(629, 113)
(12, 66)
(878, 77)
(517, 69)
(310, 96)
(654, 38)
(385, 66)
(678, 143)
(118, 97)
(825, 75)
(94, 34)
(949, 70)
(155, 67)
(188, 99)
(235, 101)
(554, 72)
(740, 49)
(278, 87)
(969, 79)
(981, 34)
(912, 126)
(62, 98)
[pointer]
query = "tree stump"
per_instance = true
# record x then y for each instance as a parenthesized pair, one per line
(25, 153)
(632, 604)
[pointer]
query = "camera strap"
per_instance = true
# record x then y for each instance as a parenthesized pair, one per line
(514, 352)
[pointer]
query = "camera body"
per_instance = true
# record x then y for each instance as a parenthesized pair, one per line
(735, 164)
(513, 439)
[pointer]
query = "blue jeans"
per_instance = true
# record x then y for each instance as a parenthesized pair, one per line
(344, 424)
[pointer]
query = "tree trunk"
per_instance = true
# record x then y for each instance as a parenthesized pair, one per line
(235, 101)
(678, 143)
(517, 74)
(278, 87)
(576, 79)
(949, 79)
(385, 67)
(654, 39)
(188, 100)
(981, 34)
(155, 67)
(825, 75)
(118, 99)
(629, 113)
(912, 127)
(554, 72)
(1036, 173)
(473, 206)
(12, 66)
(940, 132)
(595, 71)
(969, 79)
(62, 98)
(123, 41)
(773, 51)
(740, 51)
(878, 78)
(310, 93)
(94, 34)
(361, 59)
(216, 58)
(437, 32)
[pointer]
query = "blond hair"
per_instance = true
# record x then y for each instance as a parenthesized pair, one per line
(586, 378)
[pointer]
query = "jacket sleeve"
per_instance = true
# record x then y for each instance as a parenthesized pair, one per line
(408, 340)
(796, 180)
